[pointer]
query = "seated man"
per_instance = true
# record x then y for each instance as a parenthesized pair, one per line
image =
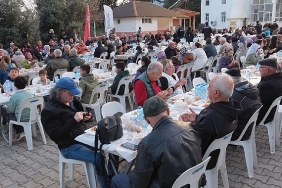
(57, 63)
(63, 119)
(270, 87)
(165, 153)
(14, 103)
(248, 97)
(219, 118)
(146, 85)
(170, 51)
(120, 74)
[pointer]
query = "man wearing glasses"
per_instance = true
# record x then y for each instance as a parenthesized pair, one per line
(270, 87)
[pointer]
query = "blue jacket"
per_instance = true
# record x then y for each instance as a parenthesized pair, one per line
(3, 76)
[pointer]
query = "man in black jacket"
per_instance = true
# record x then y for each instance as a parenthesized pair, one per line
(63, 119)
(247, 96)
(210, 49)
(207, 31)
(219, 118)
(99, 50)
(270, 87)
(164, 154)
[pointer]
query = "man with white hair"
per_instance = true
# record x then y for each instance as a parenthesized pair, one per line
(66, 51)
(219, 118)
(224, 44)
(57, 63)
(170, 51)
(146, 85)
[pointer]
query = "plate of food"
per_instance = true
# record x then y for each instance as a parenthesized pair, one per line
(175, 99)
(91, 131)
(199, 105)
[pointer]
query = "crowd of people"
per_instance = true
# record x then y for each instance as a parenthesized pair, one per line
(233, 100)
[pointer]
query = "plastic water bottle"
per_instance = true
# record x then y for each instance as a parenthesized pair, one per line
(248, 75)
(140, 113)
(36, 64)
(7, 87)
(77, 75)
(257, 66)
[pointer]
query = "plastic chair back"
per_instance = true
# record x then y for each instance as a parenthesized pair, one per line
(275, 103)
(35, 81)
(104, 55)
(31, 76)
(69, 75)
(197, 81)
(139, 57)
(252, 121)
(32, 104)
(216, 58)
(104, 64)
(112, 57)
(181, 70)
(132, 66)
(124, 81)
(192, 175)
(223, 70)
(243, 60)
(101, 90)
(59, 72)
(112, 108)
(75, 69)
(211, 75)
(220, 144)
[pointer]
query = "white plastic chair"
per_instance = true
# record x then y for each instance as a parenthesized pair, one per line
(197, 81)
(273, 126)
(212, 174)
(207, 67)
(243, 60)
(124, 81)
(181, 69)
(103, 55)
(101, 91)
(279, 126)
(223, 70)
(104, 64)
(75, 69)
(112, 108)
(69, 75)
(35, 81)
(97, 71)
(249, 145)
(132, 66)
(34, 117)
(31, 76)
(139, 57)
(188, 75)
(216, 58)
(211, 75)
(191, 176)
(59, 72)
(89, 170)
(112, 58)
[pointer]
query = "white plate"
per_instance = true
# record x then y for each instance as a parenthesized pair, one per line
(89, 131)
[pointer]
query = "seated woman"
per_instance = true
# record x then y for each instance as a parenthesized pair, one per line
(227, 60)
(170, 80)
(161, 55)
(153, 41)
(145, 61)
(253, 55)
(200, 57)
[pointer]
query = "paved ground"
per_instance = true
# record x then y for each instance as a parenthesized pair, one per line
(39, 167)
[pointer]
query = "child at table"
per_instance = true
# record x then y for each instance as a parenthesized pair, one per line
(16, 99)
(8, 86)
(120, 74)
(43, 77)
(87, 82)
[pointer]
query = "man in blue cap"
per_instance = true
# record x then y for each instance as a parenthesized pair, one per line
(63, 119)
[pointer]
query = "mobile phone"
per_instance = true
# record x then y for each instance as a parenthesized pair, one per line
(130, 146)
(87, 114)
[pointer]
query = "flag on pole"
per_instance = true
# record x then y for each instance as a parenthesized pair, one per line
(87, 23)
(109, 19)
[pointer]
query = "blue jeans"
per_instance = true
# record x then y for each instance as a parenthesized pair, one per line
(85, 153)
(120, 181)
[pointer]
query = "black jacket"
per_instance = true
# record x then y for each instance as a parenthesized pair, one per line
(270, 87)
(216, 121)
(59, 123)
(248, 97)
(207, 32)
(189, 36)
(164, 154)
(99, 50)
(210, 50)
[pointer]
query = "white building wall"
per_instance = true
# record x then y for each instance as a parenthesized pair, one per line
(125, 25)
(214, 9)
(163, 23)
(147, 27)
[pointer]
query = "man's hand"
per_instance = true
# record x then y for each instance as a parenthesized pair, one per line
(169, 91)
(86, 116)
(79, 116)
(188, 117)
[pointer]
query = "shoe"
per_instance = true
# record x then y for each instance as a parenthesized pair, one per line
(21, 136)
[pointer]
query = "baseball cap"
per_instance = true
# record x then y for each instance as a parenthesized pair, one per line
(269, 63)
(68, 84)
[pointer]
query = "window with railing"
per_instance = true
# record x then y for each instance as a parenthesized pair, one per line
(261, 10)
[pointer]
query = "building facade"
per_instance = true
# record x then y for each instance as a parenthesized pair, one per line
(226, 13)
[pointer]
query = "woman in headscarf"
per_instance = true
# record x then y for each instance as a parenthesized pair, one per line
(253, 55)
(216, 42)
(161, 55)
(145, 61)
(227, 60)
